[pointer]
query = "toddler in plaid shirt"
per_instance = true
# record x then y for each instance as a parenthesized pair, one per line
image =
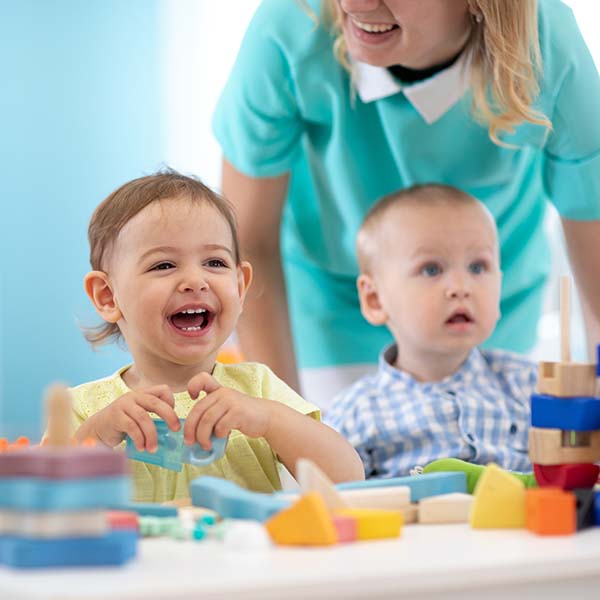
(430, 271)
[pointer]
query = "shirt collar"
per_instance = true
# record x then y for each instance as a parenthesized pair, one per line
(474, 365)
(431, 98)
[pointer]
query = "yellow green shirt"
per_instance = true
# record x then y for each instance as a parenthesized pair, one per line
(251, 463)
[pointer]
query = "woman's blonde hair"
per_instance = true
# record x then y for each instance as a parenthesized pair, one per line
(505, 60)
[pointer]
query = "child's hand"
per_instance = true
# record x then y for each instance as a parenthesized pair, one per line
(128, 415)
(221, 410)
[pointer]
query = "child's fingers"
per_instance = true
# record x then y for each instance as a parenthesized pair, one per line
(206, 424)
(144, 422)
(202, 382)
(194, 416)
(157, 405)
(130, 427)
(163, 392)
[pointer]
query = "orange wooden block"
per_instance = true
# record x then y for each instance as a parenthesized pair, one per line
(550, 511)
(306, 523)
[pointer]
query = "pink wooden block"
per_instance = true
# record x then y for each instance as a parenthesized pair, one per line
(346, 527)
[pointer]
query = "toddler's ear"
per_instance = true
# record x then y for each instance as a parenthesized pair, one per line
(98, 288)
(370, 303)
(244, 278)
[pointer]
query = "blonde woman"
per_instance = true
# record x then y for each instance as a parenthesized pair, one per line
(333, 104)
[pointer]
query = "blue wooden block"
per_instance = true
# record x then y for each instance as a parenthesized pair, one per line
(148, 509)
(231, 501)
(573, 414)
(35, 494)
(172, 452)
(421, 486)
(115, 548)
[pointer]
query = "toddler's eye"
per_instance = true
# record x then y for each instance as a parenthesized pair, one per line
(431, 269)
(477, 267)
(163, 266)
(216, 263)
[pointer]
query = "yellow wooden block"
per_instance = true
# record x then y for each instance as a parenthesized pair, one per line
(499, 501)
(306, 523)
(374, 524)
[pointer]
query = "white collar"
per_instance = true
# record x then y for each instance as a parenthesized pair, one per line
(432, 98)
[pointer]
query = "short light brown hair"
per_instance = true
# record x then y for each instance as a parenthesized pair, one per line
(115, 211)
(430, 194)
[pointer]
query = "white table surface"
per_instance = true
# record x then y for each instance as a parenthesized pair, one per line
(428, 561)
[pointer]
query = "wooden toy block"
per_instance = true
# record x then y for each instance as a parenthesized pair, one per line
(59, 411)
(387, 498)
(346, 528)
(421, 486)
(499, 501)
(447, 508)
(37, 494)
(231, 501)
(567, 477)
(115, 548)
(147, 509)
(122, 519)
(550, 447)
(374, 524)
(410, 514)
(311, 479)
(62, 463)
(567, 379)
(53, 525)
(307, 522)
(586, 513)
(551, 511)
(472, 471)
(574, 414)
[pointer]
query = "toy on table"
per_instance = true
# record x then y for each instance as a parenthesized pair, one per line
(172, 452)
(54, 499)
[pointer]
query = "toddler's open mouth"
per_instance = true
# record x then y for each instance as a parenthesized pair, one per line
(459, 317)
(191, 319)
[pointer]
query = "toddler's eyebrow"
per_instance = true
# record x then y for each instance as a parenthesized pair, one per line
(168, 249)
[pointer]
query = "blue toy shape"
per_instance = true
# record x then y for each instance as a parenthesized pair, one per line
(172, 452)
(421, 486)
(36, 494)
(148, 509)
(115, 548)
(572, 414)
(231, 501)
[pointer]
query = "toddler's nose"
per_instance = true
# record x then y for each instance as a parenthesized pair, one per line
(457, 289)
(193, 281)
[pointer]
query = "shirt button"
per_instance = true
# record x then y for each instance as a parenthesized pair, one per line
(451, 393)
(513, 428)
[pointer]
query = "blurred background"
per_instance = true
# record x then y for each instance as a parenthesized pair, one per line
(94, 93)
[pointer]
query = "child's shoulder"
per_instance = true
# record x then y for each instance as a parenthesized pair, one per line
(92, 396)
(258, 380)
(511, 367)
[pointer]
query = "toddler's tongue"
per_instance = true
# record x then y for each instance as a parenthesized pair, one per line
(183, 320)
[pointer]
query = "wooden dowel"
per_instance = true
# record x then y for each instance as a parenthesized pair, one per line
(58, 407)
(565, 319)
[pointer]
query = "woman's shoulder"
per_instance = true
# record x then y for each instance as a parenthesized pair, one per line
(559, 34)
(296, 27)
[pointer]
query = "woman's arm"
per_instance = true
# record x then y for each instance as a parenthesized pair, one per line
(583, 244)
(264, 328)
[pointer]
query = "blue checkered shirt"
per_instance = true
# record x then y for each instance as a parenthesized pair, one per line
(480, 414)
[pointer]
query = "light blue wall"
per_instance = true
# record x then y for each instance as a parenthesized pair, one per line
(80, 113)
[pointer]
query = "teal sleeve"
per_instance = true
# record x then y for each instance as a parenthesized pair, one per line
(571, 166)
(256, 121)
